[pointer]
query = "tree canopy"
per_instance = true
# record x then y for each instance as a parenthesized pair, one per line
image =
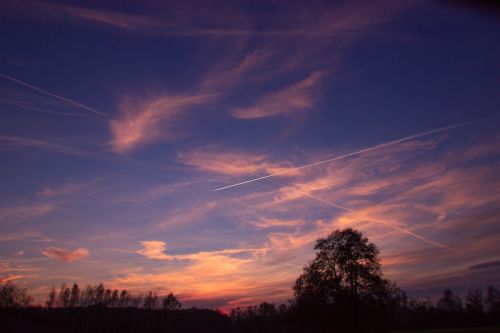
(347, 265)
(344, 280)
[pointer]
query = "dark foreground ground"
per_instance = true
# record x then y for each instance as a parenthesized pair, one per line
(123, 320)
(97, 320)
(454, 330)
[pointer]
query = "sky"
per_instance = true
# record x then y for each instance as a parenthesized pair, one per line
(125, 124)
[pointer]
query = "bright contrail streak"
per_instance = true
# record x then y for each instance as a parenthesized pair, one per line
(382, 145)
(390, 225)
(48, 93)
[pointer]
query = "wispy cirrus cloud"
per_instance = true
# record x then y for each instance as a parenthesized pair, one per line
(65, 254)
(189, 213)
(292, 40)
(170, 19)
(67, 189)
(143, 121)
(289, 41)
(215, 159)
(10, 278)
(289, 100)
(166, 21)
(240, 68)
(23, 212)
(12, 267)
(155, 249)
(23, 235)
(485, 265)
(264, 223)
(105, 18)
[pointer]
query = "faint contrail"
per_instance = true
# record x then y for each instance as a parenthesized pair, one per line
(390, 225)
(379, 146)
(288, 264)
(67, 100)
(20, 141)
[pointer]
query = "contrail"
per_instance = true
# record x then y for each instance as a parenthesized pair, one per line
(67, 100)
(20, 141)
(288, 264)
(379, 146)
(390, 225)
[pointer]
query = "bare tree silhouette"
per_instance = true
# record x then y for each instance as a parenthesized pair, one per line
(170, 302)
(11, 296)
(52, 302)
(449, 302)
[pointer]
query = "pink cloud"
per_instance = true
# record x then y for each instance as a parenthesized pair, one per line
(144, 121)
(218, 21)
(10, 278)
(64, 254)
(230, 163)
(168, 21)
(264, 223)
(240, 274)
(297, 97)
(22, 235)
(235, 69)
(15, 267)
(23, 212)
(131, 22)
(193, 212)
(154, 250)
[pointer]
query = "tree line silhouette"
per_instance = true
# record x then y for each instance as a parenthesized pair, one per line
(341, 290)
(100, 296)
